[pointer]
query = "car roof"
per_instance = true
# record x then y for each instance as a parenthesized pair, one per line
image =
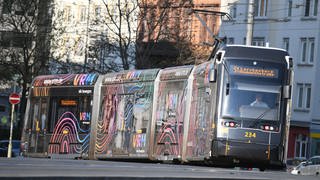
(314, 157)
(1, 141)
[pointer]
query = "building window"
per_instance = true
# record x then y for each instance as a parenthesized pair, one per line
(7, 6)
(82, 13)
(261, 7)
(230, 40)
(285, 44)
(310, 8)
(67, 13)
(304, 96)
(307, 50)
(115, 13)
(97, 11)
(311, 50)
(301, 146)
(289, 8)
(258, 41)
(13, 39)
(233, 11)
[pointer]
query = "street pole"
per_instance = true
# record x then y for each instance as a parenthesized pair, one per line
(87, 37)
(250, 23)
(11, 132)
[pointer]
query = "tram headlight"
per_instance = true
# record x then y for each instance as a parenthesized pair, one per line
(230, 124)
(269, 128)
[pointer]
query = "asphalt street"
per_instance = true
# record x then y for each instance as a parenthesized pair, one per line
(36, 168)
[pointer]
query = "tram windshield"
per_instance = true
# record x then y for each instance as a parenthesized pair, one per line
(252, 91)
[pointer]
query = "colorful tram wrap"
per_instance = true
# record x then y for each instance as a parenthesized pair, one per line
(203, 113)
(58, 116)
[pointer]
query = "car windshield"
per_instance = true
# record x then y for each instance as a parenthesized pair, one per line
(5, 144)
(16, 144)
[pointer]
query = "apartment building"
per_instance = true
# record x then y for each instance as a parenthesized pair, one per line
(292, 25)
(75, 28)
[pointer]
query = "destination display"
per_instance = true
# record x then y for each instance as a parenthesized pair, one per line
(254, 71)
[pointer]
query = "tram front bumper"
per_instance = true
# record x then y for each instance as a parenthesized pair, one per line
(247, 153)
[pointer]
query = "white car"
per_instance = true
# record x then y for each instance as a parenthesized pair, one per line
(309, 167)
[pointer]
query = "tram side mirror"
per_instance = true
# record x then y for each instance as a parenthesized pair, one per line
(213, 75)
(287, 91)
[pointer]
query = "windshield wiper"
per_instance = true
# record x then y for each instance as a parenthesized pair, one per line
(266, 111)
(263, 114)
(257, 120)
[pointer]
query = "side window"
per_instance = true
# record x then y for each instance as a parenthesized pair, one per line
(39, 115)
(35, 117)
(43, 117)
(142, 111)
(85, 112)
(315, 161)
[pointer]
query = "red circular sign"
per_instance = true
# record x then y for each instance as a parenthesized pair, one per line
(14, 98)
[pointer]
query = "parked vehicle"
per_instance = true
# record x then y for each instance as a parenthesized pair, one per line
(309, 167)
(4, 148)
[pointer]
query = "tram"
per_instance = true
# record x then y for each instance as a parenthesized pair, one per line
(233, 109)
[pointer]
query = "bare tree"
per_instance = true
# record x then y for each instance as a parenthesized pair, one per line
(164, 33)
(134, 29)
(151, 23)
(23, 49)
(120, 21)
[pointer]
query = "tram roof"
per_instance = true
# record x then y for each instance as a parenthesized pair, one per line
(130, 76)
(255, 52)
(65, 80)
(178, 72)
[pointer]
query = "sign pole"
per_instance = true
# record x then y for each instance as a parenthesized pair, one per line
(14, 98)
(11, 132)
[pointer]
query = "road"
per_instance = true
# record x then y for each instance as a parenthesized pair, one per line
(36, 168)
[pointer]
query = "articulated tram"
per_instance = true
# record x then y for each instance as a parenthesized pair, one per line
(231, 110)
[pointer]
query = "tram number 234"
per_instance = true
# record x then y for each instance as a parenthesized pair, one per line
(250, 134)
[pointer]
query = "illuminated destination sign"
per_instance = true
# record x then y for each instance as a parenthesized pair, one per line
(65, 102)
(254, 71)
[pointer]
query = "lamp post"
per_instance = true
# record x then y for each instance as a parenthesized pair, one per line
(250, 23)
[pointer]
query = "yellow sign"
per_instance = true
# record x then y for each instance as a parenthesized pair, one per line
(250, 135)
(68, 102)
(254, 71)
(315, 135)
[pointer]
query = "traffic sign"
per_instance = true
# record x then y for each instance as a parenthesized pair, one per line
(14, 98)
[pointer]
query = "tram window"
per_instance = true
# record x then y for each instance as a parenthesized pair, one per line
(53, 116)
(35, 115)
(44, 109)
(141, 112)
(85, 112)
(168, 103)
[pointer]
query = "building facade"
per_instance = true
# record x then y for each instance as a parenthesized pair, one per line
(89, 32)
(292, 25)
(171, 31)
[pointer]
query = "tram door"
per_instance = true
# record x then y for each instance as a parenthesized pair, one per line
(63, 126)
(169, 121)
(124, 125)
(38, 126)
